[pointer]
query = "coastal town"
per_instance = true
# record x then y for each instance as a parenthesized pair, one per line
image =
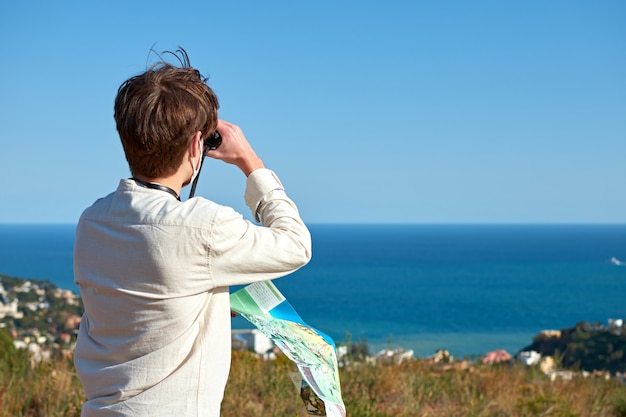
(39, 316)
(44, 320)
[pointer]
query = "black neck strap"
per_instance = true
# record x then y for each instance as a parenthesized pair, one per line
(195, 180)
(155, 186)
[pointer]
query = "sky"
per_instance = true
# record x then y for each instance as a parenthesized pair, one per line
(369, 112)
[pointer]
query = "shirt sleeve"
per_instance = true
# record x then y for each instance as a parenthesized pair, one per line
(242, 252)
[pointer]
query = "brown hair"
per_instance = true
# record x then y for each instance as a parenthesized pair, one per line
(158, 111)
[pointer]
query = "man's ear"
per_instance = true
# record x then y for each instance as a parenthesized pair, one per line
(193, 144)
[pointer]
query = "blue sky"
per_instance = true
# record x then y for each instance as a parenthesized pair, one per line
(370, 112)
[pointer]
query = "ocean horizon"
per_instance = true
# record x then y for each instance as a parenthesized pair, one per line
(467, 288)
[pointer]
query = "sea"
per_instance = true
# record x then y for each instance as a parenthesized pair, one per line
(465, 288)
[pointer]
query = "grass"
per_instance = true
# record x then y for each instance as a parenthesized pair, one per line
(413, 388)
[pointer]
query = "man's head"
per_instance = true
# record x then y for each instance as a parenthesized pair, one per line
(159, 111)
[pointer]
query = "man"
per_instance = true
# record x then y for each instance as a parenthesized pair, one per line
(154, 272)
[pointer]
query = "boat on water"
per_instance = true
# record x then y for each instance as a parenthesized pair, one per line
(616, 261)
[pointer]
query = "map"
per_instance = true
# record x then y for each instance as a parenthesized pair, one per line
(312, 351)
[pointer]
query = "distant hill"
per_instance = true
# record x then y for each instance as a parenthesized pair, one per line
(586, 346)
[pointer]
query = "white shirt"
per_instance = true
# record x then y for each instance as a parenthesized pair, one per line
(153, 274)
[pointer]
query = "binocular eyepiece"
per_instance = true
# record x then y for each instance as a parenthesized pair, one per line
(212, 142)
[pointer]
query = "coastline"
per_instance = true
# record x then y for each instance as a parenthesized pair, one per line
(460, 345)
(44, 319)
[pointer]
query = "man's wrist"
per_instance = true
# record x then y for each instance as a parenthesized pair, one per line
(248, 167)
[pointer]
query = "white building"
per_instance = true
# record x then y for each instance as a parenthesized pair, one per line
(10, 310)
(252, 339)
(529, 357)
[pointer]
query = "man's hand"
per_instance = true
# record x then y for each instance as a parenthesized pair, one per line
(235, 149)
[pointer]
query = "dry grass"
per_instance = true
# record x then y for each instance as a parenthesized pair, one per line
(415, 388)
(420, 388)
(49, 389)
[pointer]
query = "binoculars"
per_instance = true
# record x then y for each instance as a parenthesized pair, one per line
(212, 142)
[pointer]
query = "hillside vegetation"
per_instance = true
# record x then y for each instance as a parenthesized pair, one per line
(586, 346)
